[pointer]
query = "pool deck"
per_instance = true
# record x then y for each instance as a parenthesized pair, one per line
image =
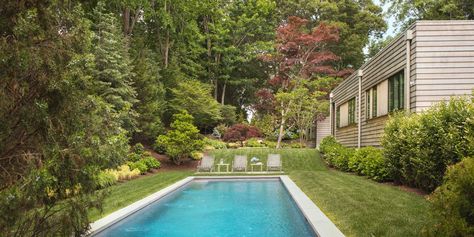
(319, 222)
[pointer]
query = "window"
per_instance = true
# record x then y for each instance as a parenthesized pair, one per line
(352, 110)
(371, 104)
(396, 92)
(345, 114)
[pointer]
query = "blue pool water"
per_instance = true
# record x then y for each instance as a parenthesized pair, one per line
(218, 208)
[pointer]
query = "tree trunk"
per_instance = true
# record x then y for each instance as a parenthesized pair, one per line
(282, 128)
(126, 21)
(167, 48)
(223, 92)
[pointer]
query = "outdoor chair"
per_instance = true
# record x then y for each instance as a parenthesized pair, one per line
(274, 162)
(206, 163)
(239, 163)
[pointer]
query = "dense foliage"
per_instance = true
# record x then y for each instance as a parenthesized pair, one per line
(453, 204)
(420, 147)
(182, 139)
(367, 161)
(241, 132)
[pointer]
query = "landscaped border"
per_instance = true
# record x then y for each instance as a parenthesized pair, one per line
(319, 222)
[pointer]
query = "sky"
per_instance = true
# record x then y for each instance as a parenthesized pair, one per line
(391, 30)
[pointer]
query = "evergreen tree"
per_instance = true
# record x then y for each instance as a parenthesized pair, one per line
(55, 132)
(113, 67)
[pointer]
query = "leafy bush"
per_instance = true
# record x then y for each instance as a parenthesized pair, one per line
(335, 154)
(327, 143)
(240, 133)
(369, 161)
(266, 124)
(139, 165)
(297, 145)
(151, 162)
(228, 114)
(210, 144)
(197, 155)
(453, 201)
(106, 178)
(254, 142)
(419, 147)
(182, 139)
(123, 172)
(233, 145)
(270, 144)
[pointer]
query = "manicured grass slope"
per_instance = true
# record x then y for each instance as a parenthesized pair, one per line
(124, 194)
(358, 206)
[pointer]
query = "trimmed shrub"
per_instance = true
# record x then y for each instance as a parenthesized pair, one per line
(420, 147)
(453, 202)
(369, 161)
(327, 143)
(254, 142)
(335, 154)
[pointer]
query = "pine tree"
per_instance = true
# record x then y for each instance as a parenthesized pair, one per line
(113, 66)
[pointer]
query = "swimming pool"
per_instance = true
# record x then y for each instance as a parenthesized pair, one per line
(221, 207)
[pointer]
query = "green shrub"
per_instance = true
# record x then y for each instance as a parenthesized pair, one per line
(371, 163)
(106, 178)
(139, 165)
(151, 162)
(196, 155)
(453, 202)
(137, 149)
(210, 144)
(419, 147)
(335, 154)
(254, 142)
(327, 143)
(182, 139)
(297, 145)
(270, 144)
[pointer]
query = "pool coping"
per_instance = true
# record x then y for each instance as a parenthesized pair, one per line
(318, 221)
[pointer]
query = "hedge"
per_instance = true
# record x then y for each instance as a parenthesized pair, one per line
(419, 147)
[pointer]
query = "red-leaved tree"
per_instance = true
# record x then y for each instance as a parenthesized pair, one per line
(241, 132)
(301, 55)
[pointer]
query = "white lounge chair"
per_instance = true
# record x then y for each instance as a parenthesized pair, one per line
(274, 162)
(239, 163)
(206, 163)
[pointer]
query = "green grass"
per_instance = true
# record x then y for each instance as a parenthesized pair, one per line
(357, 205)
(292, 159)
(124, 194)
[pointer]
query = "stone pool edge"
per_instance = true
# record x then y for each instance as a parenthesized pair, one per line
(318, 221)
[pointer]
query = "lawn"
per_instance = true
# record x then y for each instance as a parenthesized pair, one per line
(358, 206)
(124, 194)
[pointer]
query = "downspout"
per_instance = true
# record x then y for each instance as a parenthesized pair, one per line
(359, 120)
(331, 114)
(409, 37)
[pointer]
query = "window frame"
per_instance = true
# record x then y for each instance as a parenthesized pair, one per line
(396, 92)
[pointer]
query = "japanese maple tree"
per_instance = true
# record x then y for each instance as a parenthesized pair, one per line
(241, 132)
(302, 55)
